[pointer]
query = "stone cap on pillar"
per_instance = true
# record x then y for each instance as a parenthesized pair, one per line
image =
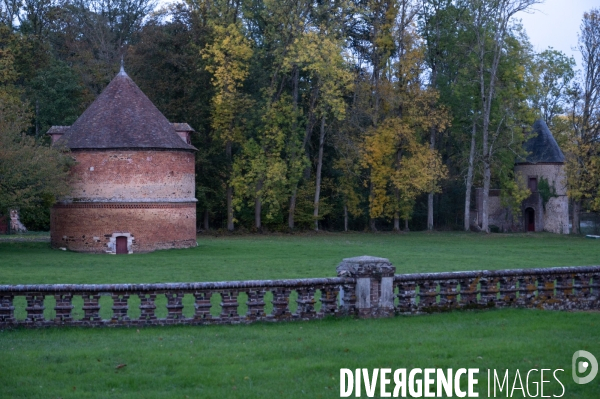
(365, 266)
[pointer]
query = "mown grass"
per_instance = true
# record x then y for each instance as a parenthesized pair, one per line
(297, 256)
(290, 360)
(294, 359)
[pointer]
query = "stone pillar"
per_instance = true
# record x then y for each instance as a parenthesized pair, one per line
(374, 292)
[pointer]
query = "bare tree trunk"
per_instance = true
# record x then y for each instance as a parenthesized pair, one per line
(372, 225)
(432, 130)
(230, 226)
(292, 208)
(37, 119)
(206, 220)
(430, 211)
(318, 177)
(430, 195)
(487, 173)
(501, 16)
(396, 222)
(576, 209)
(258, 206)
(229, 191)
(470, 179)
(397, 196)
(406, 225)
(345, 217)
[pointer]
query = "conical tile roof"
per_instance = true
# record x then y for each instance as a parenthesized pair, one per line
(541, 146)
(122, 117)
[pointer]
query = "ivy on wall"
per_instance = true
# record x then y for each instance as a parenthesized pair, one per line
(546, 190)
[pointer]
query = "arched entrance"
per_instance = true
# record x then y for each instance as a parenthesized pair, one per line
(530, 219)
(121, 244)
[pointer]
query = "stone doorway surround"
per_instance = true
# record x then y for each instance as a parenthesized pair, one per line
(112, 243)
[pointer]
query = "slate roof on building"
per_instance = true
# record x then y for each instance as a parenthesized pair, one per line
(182, 127)
(58, 129)
(122, 117)
(541, 146)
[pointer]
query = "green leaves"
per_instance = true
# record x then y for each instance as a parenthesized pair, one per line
(32, 176)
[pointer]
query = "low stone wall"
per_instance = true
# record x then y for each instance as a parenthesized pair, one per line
(559, 288)
(365, 287)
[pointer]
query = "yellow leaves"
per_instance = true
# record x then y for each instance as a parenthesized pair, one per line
(583, 164)
(229, 56)
(322, 58)
(514, 192)
(401, 168)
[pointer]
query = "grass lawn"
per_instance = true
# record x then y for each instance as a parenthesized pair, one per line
(294, 359)
(290, 360)
(297, 256)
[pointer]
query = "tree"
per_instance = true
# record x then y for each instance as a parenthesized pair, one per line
(319, 56)
(229, 55)
(436, 17)
(58, 97)
(9, 12)
(491, 25)
(400, 165)
(260, 172)
(552, 73)
(583, 155)
(32, 176)
(401, 169)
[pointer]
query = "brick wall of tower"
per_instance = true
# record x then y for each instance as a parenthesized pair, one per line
(133, 176)
(146, 195)
(88, 227)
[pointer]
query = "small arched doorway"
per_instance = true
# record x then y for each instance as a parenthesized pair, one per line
(121, 244)
(530, 219)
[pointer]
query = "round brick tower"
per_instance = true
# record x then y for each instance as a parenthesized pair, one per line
(134, 177)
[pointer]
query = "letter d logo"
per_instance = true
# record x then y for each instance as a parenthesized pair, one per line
(583, 366)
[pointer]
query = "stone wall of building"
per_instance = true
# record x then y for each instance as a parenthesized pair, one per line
(554, 173)
(133, 176)
(93, 227)
(555, 216)
(498, 215)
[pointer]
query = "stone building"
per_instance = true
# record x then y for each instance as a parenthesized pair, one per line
(544, 162)
(134, 177)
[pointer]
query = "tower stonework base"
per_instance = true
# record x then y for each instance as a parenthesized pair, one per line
(90, 227)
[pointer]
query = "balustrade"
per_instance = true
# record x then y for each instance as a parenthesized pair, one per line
(205, 312)
(573, 288)
(552, 288)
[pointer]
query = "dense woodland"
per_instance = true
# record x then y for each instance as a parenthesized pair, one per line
(336, 115)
